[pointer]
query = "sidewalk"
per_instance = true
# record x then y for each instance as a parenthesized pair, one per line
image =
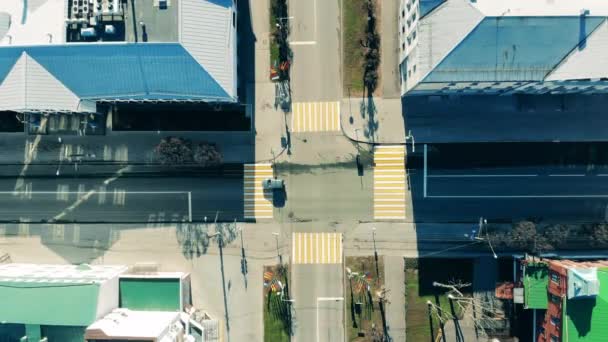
(395, 311)
(379, 121)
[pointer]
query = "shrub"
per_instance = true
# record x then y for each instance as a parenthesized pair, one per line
(174, 150)
(206, 154)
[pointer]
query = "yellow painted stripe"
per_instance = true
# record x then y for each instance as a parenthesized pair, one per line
(337, 116)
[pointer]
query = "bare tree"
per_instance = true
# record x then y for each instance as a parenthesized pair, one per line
(483, 311)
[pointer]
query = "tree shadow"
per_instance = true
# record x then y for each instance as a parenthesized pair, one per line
(368, 112)
(194, 239)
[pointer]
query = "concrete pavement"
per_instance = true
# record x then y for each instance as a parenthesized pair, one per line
(389, 45)
(318, 292)
(394, 280)
(315, 41)
(379, 120)
(375, 121)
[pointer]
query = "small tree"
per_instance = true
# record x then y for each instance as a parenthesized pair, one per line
(524, 236)
(600, 235)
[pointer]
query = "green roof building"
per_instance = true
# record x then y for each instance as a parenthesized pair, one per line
(536, 280)
(55, 301)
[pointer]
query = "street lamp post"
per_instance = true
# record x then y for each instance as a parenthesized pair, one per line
(483, 223)
(409, 136)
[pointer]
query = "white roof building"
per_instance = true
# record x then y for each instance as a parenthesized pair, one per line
(125, 324)
(515, 46)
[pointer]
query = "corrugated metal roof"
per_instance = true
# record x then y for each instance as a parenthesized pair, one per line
(12, 89)
(150, 71)
(29, 87)
(513, 49)
(207, 31)
(428, 5)
(588, 61)
(440, 32)
(536, 281)
(224, 3)
(48, 303)
(585, 318)
(8, 57)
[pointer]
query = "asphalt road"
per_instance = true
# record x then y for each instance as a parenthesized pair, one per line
(507, 188)
(318, 294)
(544, 118)
(115, 196)
(326, 193)
(315, 41)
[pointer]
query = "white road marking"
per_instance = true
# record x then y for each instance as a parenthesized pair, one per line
(480, 176)
(566, 175)
(518, 196)
(310, 42)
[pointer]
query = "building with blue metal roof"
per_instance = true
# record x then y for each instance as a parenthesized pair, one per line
(495, 47)
(114, 51)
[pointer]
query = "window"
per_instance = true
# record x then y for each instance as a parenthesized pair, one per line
(555, 320)
(554, 277)
(554, 338)
(555, 299)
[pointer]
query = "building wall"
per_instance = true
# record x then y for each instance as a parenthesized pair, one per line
(552, 323)
(108, 297)
(148, 294)
(63, 333)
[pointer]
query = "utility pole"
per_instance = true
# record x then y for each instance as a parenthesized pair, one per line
(276, 237)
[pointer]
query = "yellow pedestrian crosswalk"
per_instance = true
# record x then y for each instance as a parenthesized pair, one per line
(258, 202)
(315, 116)
(316, 248)
(389, 182)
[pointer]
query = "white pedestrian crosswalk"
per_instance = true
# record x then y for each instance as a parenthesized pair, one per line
(389, 182)
(315, 117)
(316, 248)
(257, 201)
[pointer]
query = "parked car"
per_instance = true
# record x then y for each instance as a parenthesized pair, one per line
(273, 184)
